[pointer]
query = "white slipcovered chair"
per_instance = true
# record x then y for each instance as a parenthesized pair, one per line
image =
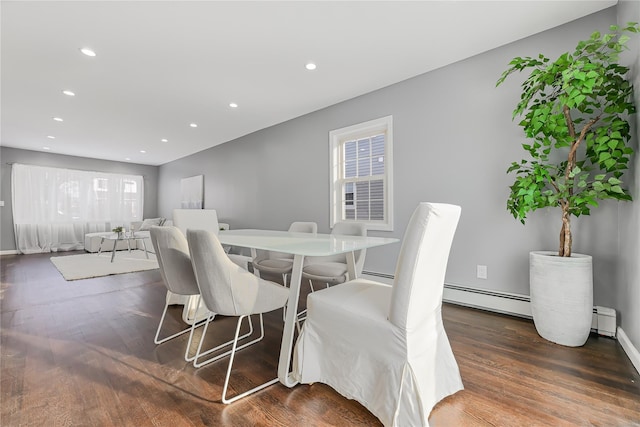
(333, 269)
(385, 346)
(172, 253)
(229, 290)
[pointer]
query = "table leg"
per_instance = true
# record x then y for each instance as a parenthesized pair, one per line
(351, 265)
(100, 248)
(113, 252)
(144, 245)
(286, 347)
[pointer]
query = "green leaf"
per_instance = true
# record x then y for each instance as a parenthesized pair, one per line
(614, 181)
(617, 189)
(609, 163)
(604, 156)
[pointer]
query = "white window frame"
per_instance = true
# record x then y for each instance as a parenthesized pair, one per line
(337, 138)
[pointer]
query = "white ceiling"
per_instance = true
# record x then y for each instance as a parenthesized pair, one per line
(163, 65)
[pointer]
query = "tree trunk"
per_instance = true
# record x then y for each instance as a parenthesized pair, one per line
(565, 233)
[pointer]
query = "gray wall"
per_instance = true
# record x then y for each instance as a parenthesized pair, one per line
(14, 155)
(453, 141)
(628, 293)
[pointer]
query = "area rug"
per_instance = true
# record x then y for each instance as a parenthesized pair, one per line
(85, 266)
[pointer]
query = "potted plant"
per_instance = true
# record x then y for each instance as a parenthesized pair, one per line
(120, 230)
(574, 113)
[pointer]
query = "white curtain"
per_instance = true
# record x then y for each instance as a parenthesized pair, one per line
(53, 208)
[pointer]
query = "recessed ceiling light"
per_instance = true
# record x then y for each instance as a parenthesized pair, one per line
(58, 119)
(193, 125)
(68, 93)
(233, 105)
(142, 151)
(46, 148)
(164, 140)
(310, 66)
(51, 137)
(127, 158)
(87, 51)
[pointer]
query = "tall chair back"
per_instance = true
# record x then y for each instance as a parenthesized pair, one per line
(197, 219)
(422, 264)
(205, 219)
(172, 252)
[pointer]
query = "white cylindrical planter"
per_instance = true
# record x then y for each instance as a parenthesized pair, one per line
(561, 296)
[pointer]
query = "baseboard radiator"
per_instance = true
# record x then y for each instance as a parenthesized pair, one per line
(603, 321)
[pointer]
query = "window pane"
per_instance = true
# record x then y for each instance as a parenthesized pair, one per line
(377, 210)
(364, 166)
(364, 149)
(377, 145)
(348, 194)
(350, 169)
(364, 157)
(350, 152)
(350, 213)
(362, 190)
(377, 190)
(362, 210)
(377, 165)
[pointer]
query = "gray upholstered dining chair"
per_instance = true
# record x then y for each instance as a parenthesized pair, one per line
(385, 346)
(333, 269)
(229, 290)
(172, 253)
(281, 263)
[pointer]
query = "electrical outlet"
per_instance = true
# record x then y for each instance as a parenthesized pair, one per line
(481, 271)
(1, 203)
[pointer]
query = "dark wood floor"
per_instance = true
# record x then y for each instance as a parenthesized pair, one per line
(82, 353)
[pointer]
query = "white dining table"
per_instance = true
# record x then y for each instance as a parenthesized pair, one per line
(300, 245)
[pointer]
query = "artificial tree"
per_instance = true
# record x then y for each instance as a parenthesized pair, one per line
(575, 113)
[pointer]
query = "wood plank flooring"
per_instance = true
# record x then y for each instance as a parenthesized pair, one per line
(81, 353)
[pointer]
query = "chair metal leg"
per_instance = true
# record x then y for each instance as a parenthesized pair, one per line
(302, 316)
(157, 340)
(189, 329)
(233, 351)
(200, 354)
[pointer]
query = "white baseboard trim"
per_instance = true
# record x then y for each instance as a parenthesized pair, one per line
(604, 320)
(629, 348)
(496, 301)
(9, 252)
